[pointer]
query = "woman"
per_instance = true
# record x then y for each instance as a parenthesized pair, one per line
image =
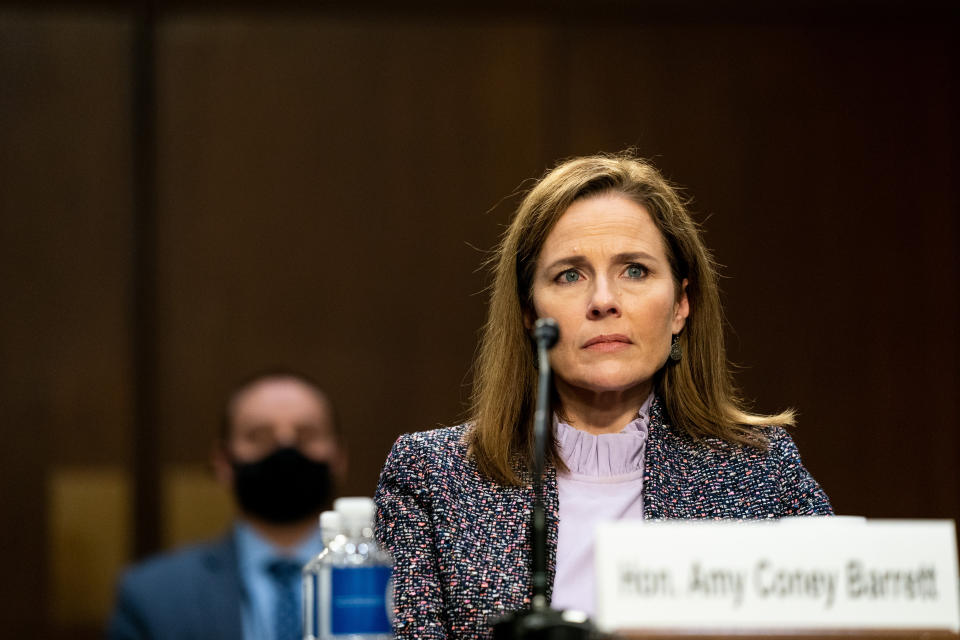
(647, 423)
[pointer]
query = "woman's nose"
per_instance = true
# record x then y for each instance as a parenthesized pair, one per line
(605, 301)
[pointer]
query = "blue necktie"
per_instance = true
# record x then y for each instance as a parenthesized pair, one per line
(286, 619)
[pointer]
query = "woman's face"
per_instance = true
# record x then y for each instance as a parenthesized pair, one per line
(603, 275)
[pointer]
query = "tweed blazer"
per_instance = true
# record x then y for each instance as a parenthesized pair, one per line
(461, 541)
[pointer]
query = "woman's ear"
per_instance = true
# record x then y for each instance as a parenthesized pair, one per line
(529, 318)
(682, 308)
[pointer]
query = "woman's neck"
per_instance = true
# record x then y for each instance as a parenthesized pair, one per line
(600, 412)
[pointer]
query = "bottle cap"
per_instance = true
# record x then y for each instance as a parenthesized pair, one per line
(330, 522)
(355, 512)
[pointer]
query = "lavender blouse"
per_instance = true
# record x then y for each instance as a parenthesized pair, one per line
(605, 482)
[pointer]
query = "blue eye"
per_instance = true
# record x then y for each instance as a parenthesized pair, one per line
(569, 276)
(636, 271)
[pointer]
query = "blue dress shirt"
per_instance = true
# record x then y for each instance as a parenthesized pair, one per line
(254, 554)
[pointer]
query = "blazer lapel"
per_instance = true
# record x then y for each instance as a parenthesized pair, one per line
(518, 501)
(223, 593)
(663, 464)
(551, 499)
(676, 481)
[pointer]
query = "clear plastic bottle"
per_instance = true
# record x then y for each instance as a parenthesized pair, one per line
(350, 583)
(331, 525)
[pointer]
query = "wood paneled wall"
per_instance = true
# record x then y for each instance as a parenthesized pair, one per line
(327, 183)
(64, 333)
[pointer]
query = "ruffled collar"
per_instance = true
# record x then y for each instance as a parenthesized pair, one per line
(607, 454)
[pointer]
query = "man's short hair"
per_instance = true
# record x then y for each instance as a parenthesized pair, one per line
(274, 373)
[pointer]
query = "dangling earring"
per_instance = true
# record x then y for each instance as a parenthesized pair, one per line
(675, 351)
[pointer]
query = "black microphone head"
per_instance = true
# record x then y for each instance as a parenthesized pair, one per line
(546, 332)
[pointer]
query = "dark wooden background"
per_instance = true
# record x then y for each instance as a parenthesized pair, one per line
(322, 184)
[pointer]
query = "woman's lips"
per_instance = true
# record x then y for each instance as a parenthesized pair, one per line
(608, 343)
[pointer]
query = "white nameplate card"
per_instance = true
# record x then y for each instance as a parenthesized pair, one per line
(797, 573)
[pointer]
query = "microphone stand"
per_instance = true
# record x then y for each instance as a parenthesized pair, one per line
(540, 622)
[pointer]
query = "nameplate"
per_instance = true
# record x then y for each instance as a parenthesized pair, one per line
(796, 573)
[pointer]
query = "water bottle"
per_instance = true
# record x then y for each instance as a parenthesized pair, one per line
(331, 534)
(331, 528)
(353, 586)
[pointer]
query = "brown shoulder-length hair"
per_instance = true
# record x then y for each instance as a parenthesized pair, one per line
(698, 390)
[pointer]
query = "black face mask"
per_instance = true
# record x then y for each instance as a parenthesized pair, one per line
(283, 487)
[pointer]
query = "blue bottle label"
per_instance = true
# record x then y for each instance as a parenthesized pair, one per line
(359, 600)
(311, 604)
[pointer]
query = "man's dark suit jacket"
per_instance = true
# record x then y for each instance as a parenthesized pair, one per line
(189, 594)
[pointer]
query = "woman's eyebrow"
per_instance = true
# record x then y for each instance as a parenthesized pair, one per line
(633, 256)
(578, 260)
(567, 261)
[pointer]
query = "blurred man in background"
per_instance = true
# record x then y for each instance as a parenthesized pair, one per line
(280, 454)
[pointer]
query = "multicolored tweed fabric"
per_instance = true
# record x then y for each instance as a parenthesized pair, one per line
(461, 542)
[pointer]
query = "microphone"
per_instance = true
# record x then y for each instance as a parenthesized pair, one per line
(540, 622)
(546, 333)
